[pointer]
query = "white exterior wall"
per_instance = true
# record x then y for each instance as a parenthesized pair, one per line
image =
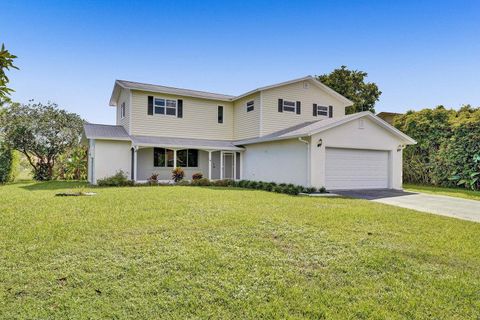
(110, 156)
(349, 135)
(272, 120)
(278, 161)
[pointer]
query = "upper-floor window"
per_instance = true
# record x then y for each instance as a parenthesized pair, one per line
(165, 106)
(122, 110)
(289, 106)
(322, 111)
(220, 114)
(250, 105)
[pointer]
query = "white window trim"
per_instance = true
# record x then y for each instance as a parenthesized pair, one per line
(318, 111)
(294, 106)
(252, 105)
(165, 107)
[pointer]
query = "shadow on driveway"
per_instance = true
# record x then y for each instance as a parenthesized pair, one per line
(373, 194)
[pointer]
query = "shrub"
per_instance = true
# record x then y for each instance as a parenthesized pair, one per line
(153, 180)
(252, 184)
(197, 176)
(204, 182)
(269, 186)
(8, 164)
(177, 174)
(242, 183)
(223, 183)
(322, 190)
(447, 147)
(279, 189)
(119, 179)
(185, 182)
(309, 190)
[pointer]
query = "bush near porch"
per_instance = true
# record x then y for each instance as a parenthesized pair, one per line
(448, 150)
(227, 253)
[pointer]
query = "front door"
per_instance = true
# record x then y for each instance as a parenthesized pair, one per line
(228, 166)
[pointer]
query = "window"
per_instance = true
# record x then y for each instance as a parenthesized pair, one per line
(289, 106)
(165, 106)
(250, 106)
(122, 110)
(162, 157)
(220, 114)
(322, 111)
(185, 158)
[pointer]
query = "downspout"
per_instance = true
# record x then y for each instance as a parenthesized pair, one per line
(308, 159)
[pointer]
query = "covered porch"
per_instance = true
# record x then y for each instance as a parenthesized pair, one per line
(214, 159)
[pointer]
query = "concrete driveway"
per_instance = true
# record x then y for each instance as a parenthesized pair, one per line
(436, 204)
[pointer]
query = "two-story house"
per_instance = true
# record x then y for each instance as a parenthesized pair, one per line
(291, 132)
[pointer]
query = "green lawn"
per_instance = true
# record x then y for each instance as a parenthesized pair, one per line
(452, 192)
(191, 252)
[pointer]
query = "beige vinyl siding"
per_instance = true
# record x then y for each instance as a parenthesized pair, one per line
(200, 118)
(124, 97)
(274, 120)
(247, 124)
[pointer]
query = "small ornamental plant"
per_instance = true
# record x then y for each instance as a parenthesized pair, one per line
(197, 176)
(153, 178)
(177, 174)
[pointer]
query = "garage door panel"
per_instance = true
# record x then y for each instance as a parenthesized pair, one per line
(356, 169)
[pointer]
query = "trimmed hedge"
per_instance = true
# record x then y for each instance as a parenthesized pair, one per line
(447, 152)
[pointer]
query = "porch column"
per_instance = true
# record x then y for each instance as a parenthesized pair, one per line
(135, 149)
(209, 165)
(235, 165)
(174, 158)
(241, 165)
(221, 165)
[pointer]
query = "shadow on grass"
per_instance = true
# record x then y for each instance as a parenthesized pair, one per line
(53, 185)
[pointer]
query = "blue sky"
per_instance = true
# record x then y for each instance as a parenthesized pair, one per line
(420, 53)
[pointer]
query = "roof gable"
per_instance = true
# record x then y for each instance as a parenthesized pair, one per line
(309, 129)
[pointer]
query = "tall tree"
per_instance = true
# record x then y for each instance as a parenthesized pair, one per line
(351, 84)
(6, 62)
(41, 133)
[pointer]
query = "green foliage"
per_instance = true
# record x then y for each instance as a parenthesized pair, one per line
(177, 174)
(6, 63)
(197, 176)
(203, 182)
(119, 179)
(351, 84)
(42, 133)
(72, 165)
(447, 152)
(8, 163)
(224, 183)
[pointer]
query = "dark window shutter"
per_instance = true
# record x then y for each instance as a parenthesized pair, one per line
(220, 114)
(314, 109)
(330, 111)
(299, 104)
(179, 108)
(280, 105)
(150, 106)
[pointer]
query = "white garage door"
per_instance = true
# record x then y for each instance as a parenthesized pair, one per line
(356, 169)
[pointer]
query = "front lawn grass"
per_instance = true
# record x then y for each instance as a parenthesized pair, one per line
(452, 192)
(191, 252)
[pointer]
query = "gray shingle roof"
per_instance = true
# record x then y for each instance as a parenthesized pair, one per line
(105, 131)
(184, 143)
(176, 91)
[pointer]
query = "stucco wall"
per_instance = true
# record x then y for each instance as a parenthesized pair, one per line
(279, 161)
(111, 156)
(350, 135)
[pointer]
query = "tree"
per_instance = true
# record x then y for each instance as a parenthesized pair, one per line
(6, 62)
(351, 84)
(41, 133)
